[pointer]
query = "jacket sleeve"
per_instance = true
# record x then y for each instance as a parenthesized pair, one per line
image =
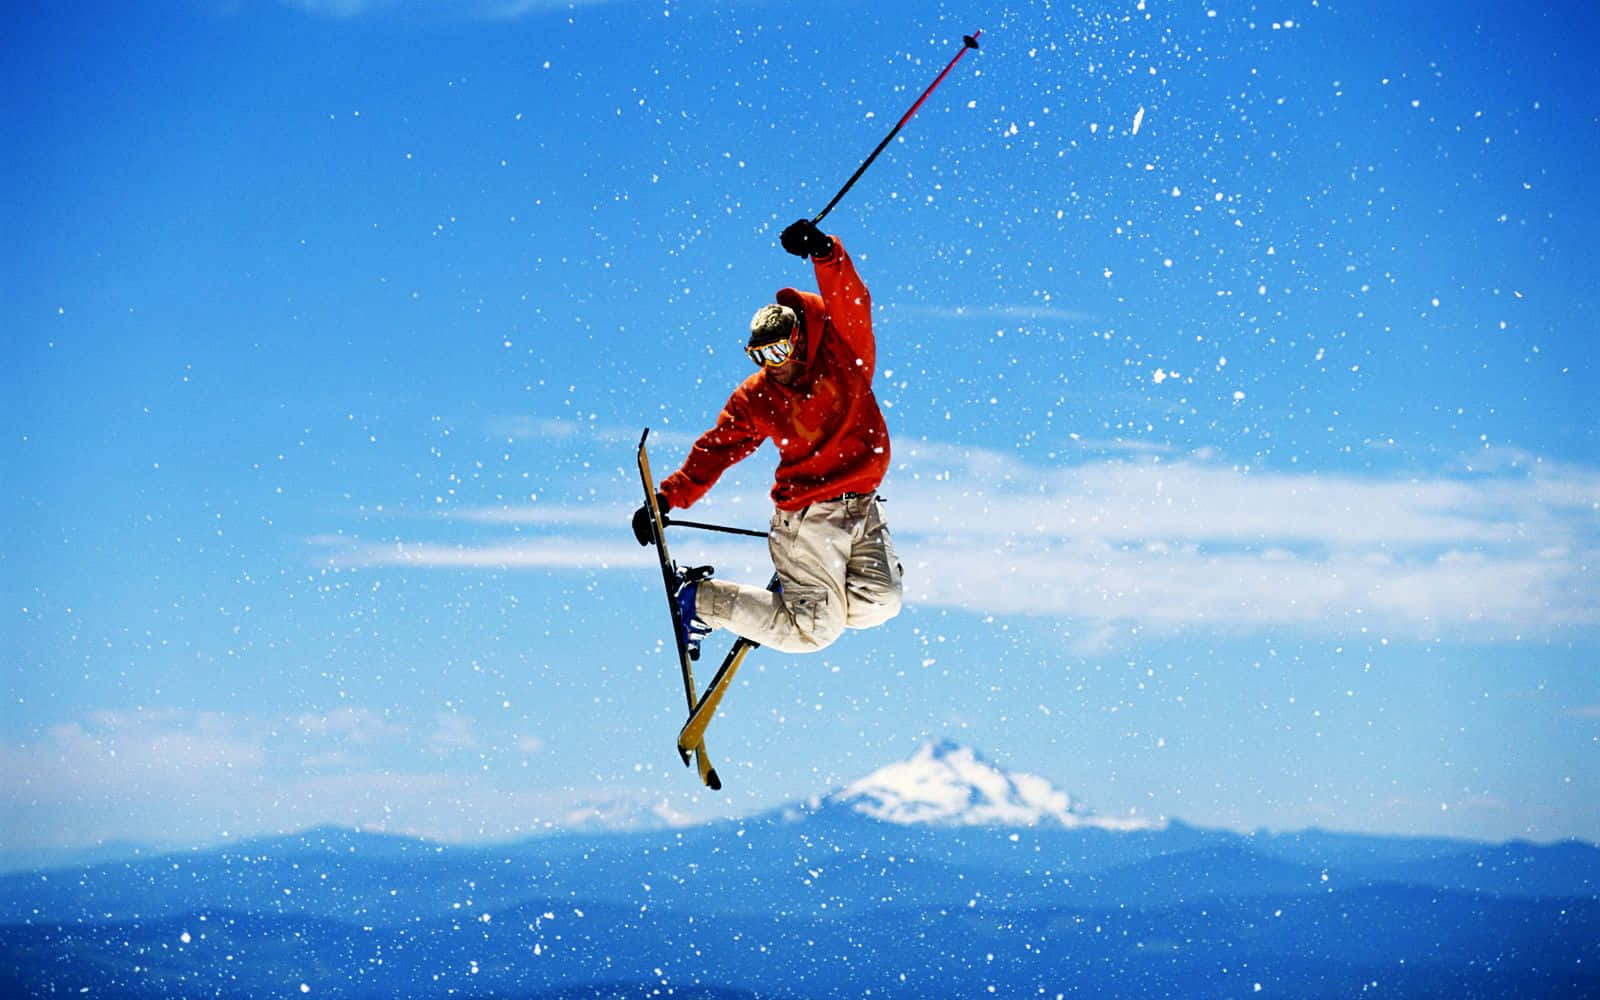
(848, 303)
(735, 437)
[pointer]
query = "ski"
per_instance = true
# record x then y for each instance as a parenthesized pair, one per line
(693, 732)
(669, 578)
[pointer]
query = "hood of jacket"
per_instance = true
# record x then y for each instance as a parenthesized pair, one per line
(813, 318)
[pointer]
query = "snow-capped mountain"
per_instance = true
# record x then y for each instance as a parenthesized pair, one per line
(825, 897)
(947, 784)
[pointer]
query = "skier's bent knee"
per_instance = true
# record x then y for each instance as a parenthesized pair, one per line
(871, 614)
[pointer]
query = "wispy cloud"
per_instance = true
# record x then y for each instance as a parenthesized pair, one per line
(484, 10)
(1163, 541)
(539, 514)
(558, 431)
(340, 8)
(560, 552)
(156, 775)
(1171, 543)
(1030, 314)
(511, 10)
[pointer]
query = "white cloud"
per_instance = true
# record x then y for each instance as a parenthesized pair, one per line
(173, 777)
(542, 553)
(510, 10)
(1168, 544)
(486, 10)
(340, 8)
(1016, 313)
(1149, 539)
(452, 731)
(350, 724)
(523, 427)
(537, 513)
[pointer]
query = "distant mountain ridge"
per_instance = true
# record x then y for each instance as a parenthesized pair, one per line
(941, 875)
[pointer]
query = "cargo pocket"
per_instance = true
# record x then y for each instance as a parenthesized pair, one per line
(807, 607)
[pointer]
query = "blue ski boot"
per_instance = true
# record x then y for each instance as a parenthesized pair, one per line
(693, 628)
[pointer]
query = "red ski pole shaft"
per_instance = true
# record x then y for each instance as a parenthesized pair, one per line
(967, 42)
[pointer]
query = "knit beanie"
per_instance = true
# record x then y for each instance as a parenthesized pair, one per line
(771, 322)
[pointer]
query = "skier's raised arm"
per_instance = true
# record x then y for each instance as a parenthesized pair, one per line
(844, 294)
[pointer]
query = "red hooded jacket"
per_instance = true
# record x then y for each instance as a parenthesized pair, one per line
(830, 434)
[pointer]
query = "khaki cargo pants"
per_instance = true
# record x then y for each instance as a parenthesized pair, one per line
(837, 567)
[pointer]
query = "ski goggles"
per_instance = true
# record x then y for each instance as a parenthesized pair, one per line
(772, 355)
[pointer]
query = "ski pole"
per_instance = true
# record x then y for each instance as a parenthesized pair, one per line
(674, 522)
(967, 42)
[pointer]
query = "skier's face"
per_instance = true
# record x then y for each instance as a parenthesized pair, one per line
(788, 374)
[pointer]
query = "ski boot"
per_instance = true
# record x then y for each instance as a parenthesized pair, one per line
(692, 628)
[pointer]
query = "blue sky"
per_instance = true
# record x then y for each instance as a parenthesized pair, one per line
(1239, 361)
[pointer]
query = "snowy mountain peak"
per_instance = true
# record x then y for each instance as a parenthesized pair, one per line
(947, 784)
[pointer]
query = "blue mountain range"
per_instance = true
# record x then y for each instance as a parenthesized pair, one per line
(937, 876)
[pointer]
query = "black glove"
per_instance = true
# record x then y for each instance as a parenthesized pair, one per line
(804, 239)
(641, 519)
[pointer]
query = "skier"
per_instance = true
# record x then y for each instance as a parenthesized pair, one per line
(812, 396)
